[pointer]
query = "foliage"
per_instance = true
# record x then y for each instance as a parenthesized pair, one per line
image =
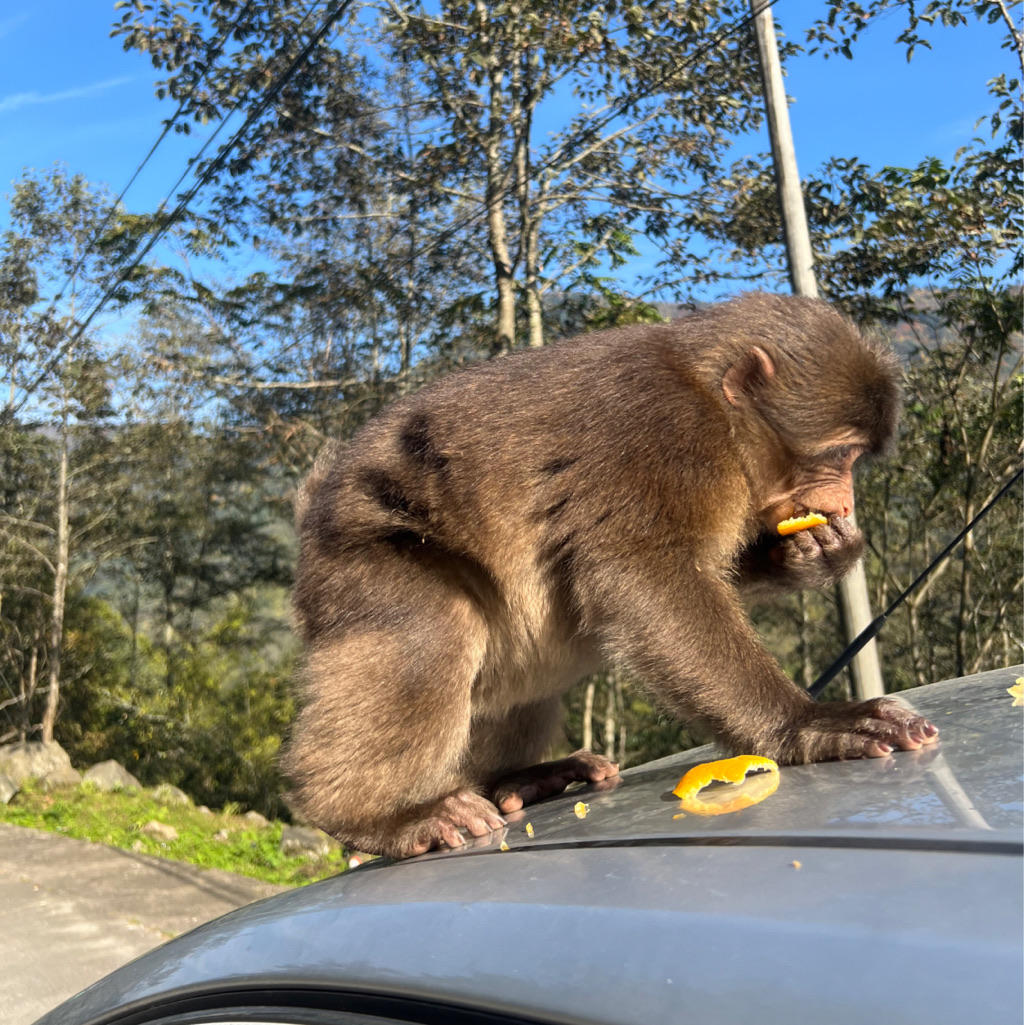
(221, 840)
(215, 733)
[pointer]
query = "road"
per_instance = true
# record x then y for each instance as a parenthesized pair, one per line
(72, 911)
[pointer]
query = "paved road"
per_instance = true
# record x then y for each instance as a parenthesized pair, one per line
(72, 911)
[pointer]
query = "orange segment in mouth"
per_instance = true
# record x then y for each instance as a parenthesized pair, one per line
(797, 523)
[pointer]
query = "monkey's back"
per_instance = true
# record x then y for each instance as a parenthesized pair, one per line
(517, 469)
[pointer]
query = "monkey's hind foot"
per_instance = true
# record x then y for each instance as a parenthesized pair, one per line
(439, 824)
(524, 786)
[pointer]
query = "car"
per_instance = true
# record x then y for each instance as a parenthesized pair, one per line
(885, 890)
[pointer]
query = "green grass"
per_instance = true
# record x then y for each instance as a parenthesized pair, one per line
(117, 818)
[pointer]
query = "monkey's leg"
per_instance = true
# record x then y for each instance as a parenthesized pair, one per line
(377, 757)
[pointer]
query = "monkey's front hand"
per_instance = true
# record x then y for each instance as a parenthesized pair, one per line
(853, 729)
(812, 558)
(820, 556)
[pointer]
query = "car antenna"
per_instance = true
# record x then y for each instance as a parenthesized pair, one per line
(878, 622)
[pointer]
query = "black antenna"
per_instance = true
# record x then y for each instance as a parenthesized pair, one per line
(872, 629)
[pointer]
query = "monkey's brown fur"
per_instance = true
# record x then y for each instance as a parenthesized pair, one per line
(482, 544)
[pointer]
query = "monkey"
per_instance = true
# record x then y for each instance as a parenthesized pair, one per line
(611, 499)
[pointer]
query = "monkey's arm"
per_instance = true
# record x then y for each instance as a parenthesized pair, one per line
(688, 638)
(814, 558)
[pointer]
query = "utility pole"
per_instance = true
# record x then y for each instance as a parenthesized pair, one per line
(853, 590)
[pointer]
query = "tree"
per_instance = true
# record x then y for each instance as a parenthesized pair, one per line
(50, 266)
(539, 142)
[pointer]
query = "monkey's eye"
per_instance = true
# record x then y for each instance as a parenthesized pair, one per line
(840, 456)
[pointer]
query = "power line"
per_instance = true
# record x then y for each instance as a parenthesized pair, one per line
(213, 51)
(208, 172)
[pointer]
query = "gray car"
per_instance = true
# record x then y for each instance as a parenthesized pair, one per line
(879, 891)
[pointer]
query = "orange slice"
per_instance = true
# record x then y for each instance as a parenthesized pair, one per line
(722, 800)
(797, 523)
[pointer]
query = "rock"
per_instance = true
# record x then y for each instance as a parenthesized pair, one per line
(255, 819)
(167, 794)
(64, 777)
(110, 775)
(203, 810)
(8, 789)
(36, 760)
(300, 841)
(160, 831)
(223, 835)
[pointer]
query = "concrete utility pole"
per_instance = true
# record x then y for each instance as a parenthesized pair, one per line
(853, 590)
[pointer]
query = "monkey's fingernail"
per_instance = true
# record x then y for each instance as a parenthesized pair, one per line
(885, 748)
(930, 730)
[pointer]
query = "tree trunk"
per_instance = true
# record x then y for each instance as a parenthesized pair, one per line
(497, 183)
(28, 691)
(620, 704)
(609, 717)
(806, 670)
(60, 586)
(588, 716)
(529, 216)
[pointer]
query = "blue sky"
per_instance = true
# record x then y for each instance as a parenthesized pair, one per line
(70, 93)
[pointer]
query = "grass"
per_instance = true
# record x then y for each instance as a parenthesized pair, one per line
(209, 839)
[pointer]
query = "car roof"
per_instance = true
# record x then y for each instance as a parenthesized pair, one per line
(869, 890)
(957, 794)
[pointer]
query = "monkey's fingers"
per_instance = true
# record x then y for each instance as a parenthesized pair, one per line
(909, 730)
(869, 729)
(441, 824)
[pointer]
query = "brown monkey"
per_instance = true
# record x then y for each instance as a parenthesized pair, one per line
(484, 543)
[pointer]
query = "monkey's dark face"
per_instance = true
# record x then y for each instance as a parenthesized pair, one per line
(819, 479)
(802, 425)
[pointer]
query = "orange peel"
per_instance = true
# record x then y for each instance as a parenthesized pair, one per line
(727, 770)
(797, 523)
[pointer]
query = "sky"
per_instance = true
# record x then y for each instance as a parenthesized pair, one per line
(70, 94)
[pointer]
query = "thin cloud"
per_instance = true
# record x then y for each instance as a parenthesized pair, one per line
(9, 25)
(18, 100)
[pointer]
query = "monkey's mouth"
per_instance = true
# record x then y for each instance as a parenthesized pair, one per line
(794, 524)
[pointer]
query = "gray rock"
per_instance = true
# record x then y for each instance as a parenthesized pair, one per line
(160, 830)
(63, 777)
(7, 789)
(110, 775)
(300, 841)
(165, 793)
(255, 819)
(34, 760)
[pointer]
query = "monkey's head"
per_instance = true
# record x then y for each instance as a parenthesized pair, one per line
(813, 395)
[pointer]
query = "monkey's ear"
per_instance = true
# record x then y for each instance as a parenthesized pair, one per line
(751, 371)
